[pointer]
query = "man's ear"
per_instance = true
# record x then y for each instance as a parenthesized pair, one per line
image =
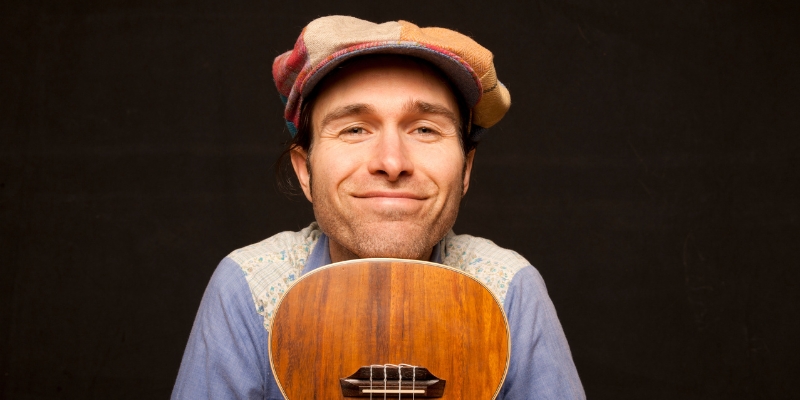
(299, 158)
(468, 170)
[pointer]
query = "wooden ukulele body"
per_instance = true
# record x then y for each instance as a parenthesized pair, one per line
(353, 314)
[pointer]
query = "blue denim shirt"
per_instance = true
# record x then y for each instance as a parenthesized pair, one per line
(227, 356)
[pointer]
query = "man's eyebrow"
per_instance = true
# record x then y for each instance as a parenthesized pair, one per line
(346, 111)
(430, 108)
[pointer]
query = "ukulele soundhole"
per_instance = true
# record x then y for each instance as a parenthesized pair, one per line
(405, 381)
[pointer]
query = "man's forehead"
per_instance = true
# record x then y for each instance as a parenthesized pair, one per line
(345, 92)
(416, 107)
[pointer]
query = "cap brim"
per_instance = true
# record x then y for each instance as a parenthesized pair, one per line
(460, 75)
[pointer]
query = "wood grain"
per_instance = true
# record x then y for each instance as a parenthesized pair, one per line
(357, 313)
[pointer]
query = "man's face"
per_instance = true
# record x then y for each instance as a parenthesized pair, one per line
(388, 168)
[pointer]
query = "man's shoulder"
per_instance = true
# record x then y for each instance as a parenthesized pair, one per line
(285, 247)
(270, 266)
(489, 263)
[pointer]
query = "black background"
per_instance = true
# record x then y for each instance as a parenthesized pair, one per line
(647, 168)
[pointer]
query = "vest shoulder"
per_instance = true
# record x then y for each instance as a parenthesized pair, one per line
(489, 263)
(271, 265)
(291, 247)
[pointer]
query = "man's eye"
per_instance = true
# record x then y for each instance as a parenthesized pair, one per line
(355, 130)
(425, 130)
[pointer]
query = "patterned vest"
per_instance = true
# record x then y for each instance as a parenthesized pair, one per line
(270, 266)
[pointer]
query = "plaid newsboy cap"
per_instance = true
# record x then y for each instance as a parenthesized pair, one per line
(328, 41)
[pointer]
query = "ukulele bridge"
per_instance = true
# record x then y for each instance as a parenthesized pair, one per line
(404, 380)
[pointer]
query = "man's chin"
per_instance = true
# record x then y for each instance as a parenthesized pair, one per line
(399, 253)
(389, 240)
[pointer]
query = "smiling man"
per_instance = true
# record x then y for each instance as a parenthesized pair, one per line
(385, 119)
(389, 166)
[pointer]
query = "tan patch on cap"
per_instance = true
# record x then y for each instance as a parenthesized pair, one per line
(496, 99)
(494, 103)
(474, 54)
(327, 35)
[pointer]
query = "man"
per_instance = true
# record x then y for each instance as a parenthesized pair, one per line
(385, 119)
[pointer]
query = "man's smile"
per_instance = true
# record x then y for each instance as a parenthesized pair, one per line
(381, 201)
(390, 194)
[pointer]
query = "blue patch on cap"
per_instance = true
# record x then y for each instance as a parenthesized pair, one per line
(476, 132)
(292, 128)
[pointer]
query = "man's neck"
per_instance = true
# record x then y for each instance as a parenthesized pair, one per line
(341, 253)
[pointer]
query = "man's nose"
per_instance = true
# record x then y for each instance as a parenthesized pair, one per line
(391, 157)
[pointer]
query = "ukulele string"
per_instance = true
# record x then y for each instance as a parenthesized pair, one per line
(371, 380)
(413, 379)
(413, 382)
(399, 381)
(384, 381)
(385, 376)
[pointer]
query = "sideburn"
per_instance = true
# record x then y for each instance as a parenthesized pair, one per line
(310, 175)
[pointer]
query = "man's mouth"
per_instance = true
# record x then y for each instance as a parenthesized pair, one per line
(389, 194)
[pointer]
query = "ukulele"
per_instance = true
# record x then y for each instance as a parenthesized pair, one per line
(389, 328)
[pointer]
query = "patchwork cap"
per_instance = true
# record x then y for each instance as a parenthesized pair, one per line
(328, 41)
